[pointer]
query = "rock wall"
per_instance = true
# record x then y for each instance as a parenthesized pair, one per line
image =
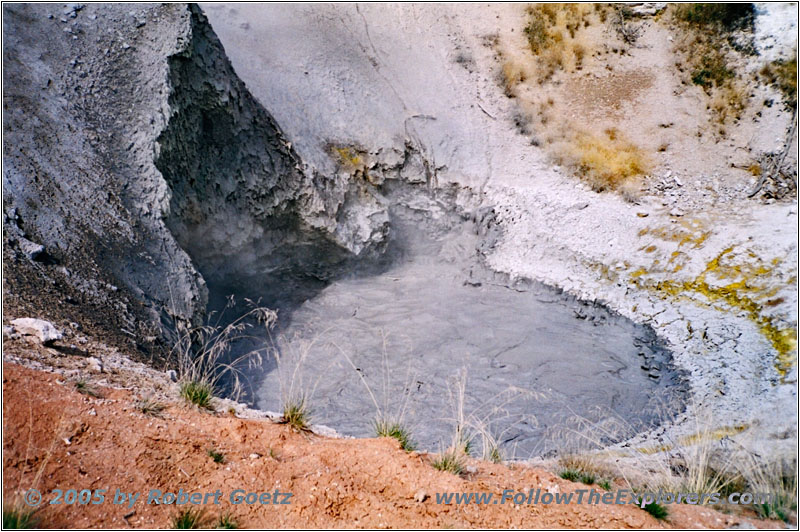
(138, 159)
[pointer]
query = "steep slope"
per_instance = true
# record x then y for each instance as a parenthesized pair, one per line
(130, 142)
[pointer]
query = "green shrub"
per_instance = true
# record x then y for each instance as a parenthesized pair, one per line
(727, 16)
(656, 510)
(296, 414)
(712, 71)
(17, 518)
(226, 521)
(569, 474)
(573, 475)
(150, 407)
(83, 386)
(450, 461)
(190, 519)
(198, 393)
(217, 456)
(386, 429)
(783, 74)
(494, 455)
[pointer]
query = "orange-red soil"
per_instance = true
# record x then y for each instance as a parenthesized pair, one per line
(56, 437)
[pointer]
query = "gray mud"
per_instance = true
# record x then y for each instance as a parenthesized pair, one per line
(536, 363)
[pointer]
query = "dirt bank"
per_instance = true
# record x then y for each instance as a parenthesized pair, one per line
(56, 437)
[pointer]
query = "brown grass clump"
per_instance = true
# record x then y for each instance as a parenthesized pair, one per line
(512, 75)
(606, 161)
(708, 57)
(552, 33)
(783, 74)
(728, 102)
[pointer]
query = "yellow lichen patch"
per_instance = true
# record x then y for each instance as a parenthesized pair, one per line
(650, 249)
(654, 449)
(351, 159)
(742, 295)
(689, 233)
(347, 155)
(713, 435)
(699, 437)
(674, 255)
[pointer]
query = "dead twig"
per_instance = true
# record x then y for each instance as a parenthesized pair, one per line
(630, 33)
(772, 167)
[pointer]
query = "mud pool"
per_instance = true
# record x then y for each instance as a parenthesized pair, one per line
(534, 364)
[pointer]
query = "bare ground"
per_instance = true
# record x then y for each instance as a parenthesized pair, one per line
(57, 437)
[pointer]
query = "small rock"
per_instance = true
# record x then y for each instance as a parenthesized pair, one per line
(92, 412)
(32, 250)
(95, 364)
(125, 46)
(8, 331)
(420, 496)
(471, 469)
(255, 456)
(642, 214)
(172, 375)
(44, 330)
(676, 212)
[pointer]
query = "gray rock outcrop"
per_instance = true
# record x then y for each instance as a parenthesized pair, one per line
(139, 160)
(45, 331)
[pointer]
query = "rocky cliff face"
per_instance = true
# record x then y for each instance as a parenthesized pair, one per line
(139, 160)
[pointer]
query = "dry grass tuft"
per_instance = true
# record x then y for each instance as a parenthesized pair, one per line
(512, 75)
(204, 358)
(783, 74)
(704, 461)
(606, 161)
(553, 36)
(708, 55)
